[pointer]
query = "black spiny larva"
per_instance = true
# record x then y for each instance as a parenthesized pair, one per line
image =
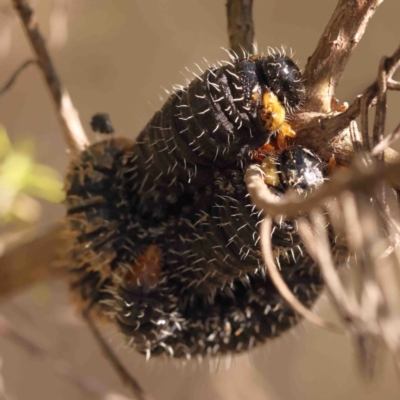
(164, 238)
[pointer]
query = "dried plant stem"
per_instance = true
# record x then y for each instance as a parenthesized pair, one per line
(377, 90)
(66, 113)
(317, 243)
(388, 141)
(341, 36)
(328, 134)
(283, 289)
(291, 204)
(240, 25)
(126, 378)
(77, 140)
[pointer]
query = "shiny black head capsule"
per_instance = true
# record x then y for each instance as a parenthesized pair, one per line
(283, 77)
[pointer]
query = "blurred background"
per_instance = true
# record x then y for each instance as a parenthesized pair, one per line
(118, 57)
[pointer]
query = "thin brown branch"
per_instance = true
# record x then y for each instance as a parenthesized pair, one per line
(66, 113)
(355, 137)
(341, 36)
(358, 319)
(393, 85)
(19, 269)
(126, 378)
(373, 237)
(383, 82)
(280, 284)
(14, 76)
(328, 134)
(240, 25)
(380, 109)
(387, 142)
(317, 244)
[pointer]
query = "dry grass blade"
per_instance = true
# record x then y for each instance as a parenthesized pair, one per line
(381, 279)
(387, 142)
(290, 205)
(317, 244)
(362, 328)
(283, 289)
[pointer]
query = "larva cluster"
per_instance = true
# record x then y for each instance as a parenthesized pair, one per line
(164, 240)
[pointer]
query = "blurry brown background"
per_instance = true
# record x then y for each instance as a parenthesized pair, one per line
(117, 56)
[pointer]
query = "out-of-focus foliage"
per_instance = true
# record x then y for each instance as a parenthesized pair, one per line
(22, 182)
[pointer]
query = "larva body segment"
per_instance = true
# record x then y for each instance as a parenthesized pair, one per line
(164, 238)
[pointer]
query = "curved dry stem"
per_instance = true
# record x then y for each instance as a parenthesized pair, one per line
(387, 142)
(377, 91)
(292, 204)
(316, 240)
(280, 284)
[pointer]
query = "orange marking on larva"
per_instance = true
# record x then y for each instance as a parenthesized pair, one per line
(261, 152)
(281, 140)
(268, 166)
(332, 163)
(285, 131)
(272, 111)
(146, 269)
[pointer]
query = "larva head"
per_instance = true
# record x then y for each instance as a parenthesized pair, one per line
(271, 87)
(293, 168)
(300, 169)
(282, 77)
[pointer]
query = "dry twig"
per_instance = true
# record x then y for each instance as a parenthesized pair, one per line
(240, 25)
(388, 141)
(325, 134)
(65, 111)
(278, 281)
(328, 134)
(76, 138)
(387, 68)
(341, 36)
(367, 217)
(291, 205)
(126, 378)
